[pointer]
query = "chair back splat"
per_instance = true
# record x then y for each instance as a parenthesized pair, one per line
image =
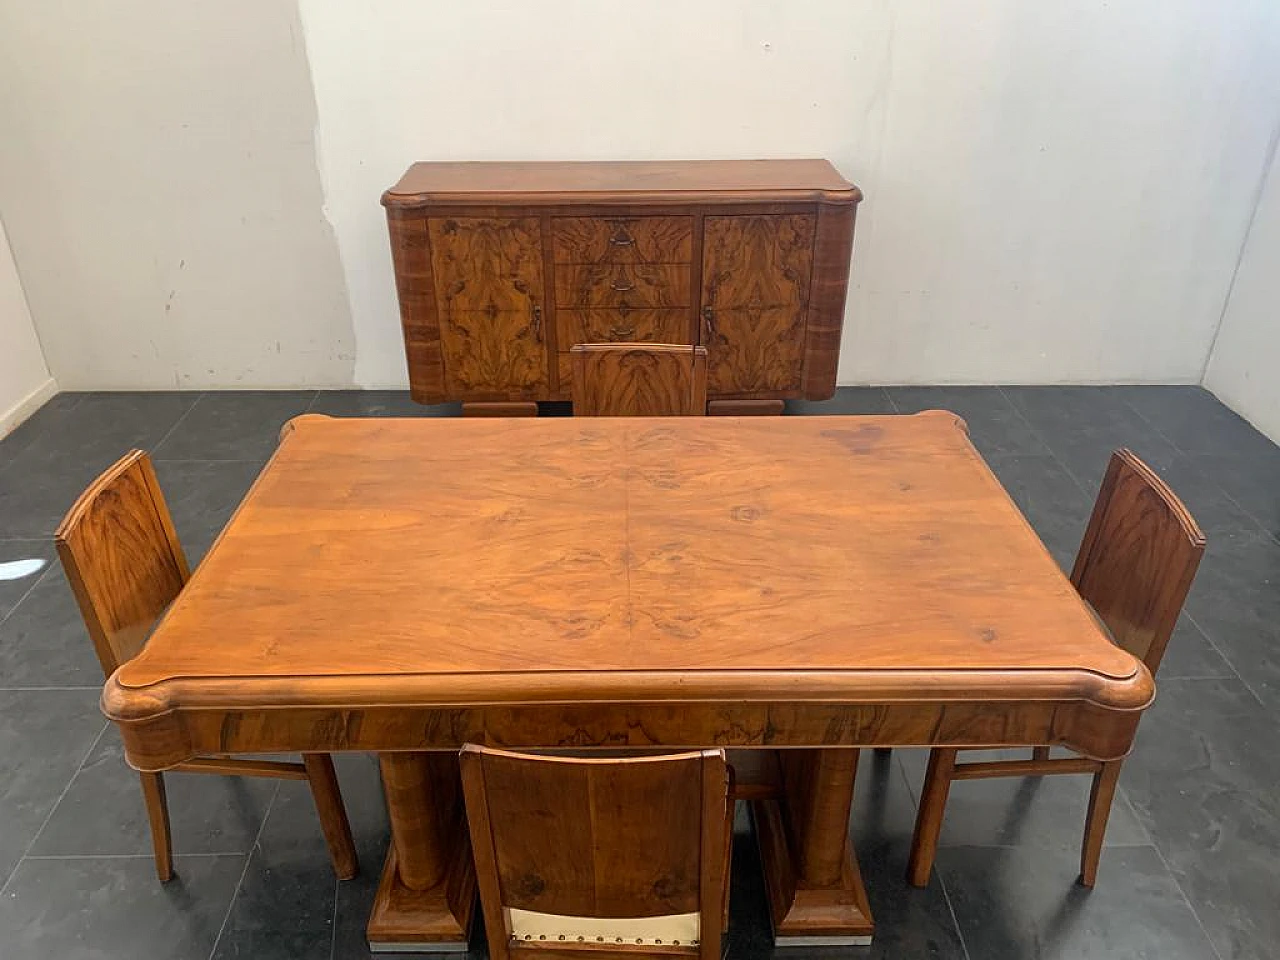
(1139, 555)
(122, 558)
(599, 855)
(639, 380)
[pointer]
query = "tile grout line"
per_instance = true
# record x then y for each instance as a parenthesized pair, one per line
(49, 816)
(177, 423)
(1225, 659)
(38, 689)
(1199, 922)
(1190, 456)
(1053, 455)
(1185, 899)
(235, 894)
(942, 885)
(1256, 522)
(333, 921)
(127, 856)
(31, 589)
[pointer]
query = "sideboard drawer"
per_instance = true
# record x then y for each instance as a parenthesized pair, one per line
(622, 239)
(624, 285)
(622, 325)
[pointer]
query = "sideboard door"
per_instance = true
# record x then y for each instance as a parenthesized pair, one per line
(755, 291)
(489, 297)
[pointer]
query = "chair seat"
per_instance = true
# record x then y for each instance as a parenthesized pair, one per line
(678, 928)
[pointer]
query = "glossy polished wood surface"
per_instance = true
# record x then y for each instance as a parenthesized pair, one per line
(1134, 568)
(639, 380)
(121, 554)
(502, 267)
(417, 584)
(622, 180)
(1139, 555)
(607, 839)
(122, 558)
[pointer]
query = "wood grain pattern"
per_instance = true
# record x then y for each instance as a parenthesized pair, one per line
(757, 261)
(829, 284)
(788, 581)
(122, 558)
(622, 325)
(427, 891)
(487, 264)
(746, 408)
(416, 291)
(754, 350)
(582, 286)
(616, 235)
(488, 274)
(755, 287)
(623, 239)
(639, 380)
(641, 837)
(1135, 566)
(814, 885)
(628, 583)
(1138, 558)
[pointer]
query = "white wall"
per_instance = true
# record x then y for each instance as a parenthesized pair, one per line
(24, 379)
(158, 179)
(1055, 191)
(1244, 370)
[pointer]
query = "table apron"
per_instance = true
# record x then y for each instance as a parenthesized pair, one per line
(166, 739)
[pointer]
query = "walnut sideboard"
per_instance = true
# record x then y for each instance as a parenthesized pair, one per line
(502, 267)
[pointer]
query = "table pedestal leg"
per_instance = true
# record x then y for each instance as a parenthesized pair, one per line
(427, 894)
(815, 891)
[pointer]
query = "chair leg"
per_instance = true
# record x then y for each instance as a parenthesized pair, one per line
(933, 803)
(1095, 827)
(333, 815)
(158, 814)
(1040, 753)
(728, 866)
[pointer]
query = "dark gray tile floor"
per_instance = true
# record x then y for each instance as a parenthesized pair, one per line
(1192, 866)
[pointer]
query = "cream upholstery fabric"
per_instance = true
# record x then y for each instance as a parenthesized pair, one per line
(531, 925)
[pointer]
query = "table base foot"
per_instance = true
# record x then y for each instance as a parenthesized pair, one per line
(746, 408)
(808, 916)
(436, 920)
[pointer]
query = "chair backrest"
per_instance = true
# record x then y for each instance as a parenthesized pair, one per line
(639, 380)
(121, 555)
(601, 854)
(1138, 557)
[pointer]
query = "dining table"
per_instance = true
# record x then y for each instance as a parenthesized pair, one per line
(790, 587)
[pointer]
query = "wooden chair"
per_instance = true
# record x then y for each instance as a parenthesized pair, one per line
(639, 380)
(122, 558)
(1134, 568)
(595, 857)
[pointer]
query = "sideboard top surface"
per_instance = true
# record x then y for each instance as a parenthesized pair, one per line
(621, 181)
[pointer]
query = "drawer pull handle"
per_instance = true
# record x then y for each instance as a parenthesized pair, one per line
(622, 239)
(710, 317)
(621, 333)
(623, 286)
(537, 322)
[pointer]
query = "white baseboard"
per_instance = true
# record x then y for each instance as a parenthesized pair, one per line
(13, 417)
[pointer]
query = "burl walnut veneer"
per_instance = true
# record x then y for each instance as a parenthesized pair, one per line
(811, 585)
(502, 268)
